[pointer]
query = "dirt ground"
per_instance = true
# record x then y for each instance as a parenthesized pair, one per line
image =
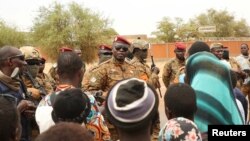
(159, 64)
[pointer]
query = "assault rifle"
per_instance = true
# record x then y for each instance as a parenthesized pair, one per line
(16, 76)
(35, 83)
(152, 68)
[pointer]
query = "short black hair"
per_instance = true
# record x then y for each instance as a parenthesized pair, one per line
(71, 105)
(180, 99)
(198, 46)
(69, 63)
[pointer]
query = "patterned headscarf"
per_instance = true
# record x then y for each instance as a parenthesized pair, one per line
(178, 129)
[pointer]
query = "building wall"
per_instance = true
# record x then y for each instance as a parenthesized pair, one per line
(165, 51)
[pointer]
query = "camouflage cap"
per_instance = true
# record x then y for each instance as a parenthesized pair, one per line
(216, 45)
(140, 44)
(30, 52)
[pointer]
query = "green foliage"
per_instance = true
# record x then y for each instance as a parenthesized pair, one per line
(10, 36)
(72, 26)
(226, 26)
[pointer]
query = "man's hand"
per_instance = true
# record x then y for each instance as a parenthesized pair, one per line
(35, 93)
(155, 70)
(25, 105)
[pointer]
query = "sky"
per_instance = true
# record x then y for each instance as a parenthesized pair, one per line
(128, 16)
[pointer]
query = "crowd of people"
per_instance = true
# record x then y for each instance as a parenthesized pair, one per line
(117, 99)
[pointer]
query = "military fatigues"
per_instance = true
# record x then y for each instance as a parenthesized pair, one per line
(170, 70)
(53, 74)
(105, 76)
(45, 81)
(144, 73)
(87, 76)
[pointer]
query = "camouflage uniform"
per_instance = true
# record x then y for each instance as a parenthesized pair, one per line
(46, 81)
(105, 76)
(104, 54)
(32, 56)
(53, 74)
(170, 70)
(145, 73)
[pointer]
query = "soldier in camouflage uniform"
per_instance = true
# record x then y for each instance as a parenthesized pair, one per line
(172, 66)
(139, 48)
(111, 71)
(35, 86)
(47, 81)
(104, 54)
(32, 57)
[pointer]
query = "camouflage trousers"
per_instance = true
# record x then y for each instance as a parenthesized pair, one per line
(156, 129)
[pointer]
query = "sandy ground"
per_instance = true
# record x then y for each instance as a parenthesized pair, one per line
(159, 64)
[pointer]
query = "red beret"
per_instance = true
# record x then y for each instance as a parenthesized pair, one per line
(121, 40)
(105, 47)
(180, 45)
(65, 49)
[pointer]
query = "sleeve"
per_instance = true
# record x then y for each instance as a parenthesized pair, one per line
(166, 73)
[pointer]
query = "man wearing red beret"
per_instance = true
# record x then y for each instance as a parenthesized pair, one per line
(105, 53)
(65, 49)
(111, 71)
(173, 65)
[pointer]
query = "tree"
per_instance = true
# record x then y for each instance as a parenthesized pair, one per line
(170, 31)
(74, 26)
(226, 26)
(10, 36)
(165, 31)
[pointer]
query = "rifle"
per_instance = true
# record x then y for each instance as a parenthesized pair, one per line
(152, 67)
(36, 85)
(153, 63)
(16, 76)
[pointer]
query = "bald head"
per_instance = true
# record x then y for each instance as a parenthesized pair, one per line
(8, 51)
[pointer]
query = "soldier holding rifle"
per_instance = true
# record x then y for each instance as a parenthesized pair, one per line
(139, 49)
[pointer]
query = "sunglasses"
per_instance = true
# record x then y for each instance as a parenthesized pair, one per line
(119, 47)
(33, 62)
(107, 53)
(10, 98)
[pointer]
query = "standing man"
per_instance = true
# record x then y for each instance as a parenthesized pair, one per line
(172, 66)
(111, 71)
(139, 48)
(243, 58)
(11, 58)
(217, 50)
(104, 54)
(43, 76)
(53, 70)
